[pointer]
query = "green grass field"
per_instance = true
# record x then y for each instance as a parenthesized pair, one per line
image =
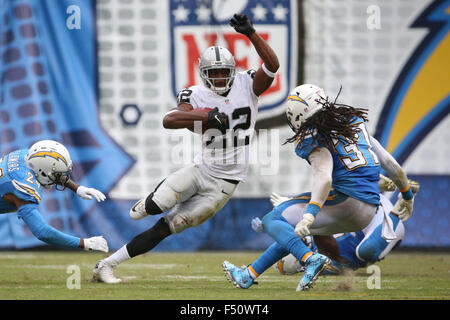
(198, 276)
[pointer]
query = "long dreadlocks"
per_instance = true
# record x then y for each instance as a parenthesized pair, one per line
(333, 121)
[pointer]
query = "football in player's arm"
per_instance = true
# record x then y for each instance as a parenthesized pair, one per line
(46, 163)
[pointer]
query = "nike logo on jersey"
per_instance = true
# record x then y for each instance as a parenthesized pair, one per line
(225, 193)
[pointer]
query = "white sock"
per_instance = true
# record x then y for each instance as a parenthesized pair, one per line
(118, 257)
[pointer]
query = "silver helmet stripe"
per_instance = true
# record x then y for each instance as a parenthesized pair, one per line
(217, 53)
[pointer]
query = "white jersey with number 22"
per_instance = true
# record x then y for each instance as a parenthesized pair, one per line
(226, 155)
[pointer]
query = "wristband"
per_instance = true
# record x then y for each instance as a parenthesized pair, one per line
(268, 72)
(313, 208)
(407, 193)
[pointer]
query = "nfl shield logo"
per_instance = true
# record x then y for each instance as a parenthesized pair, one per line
(197, 24)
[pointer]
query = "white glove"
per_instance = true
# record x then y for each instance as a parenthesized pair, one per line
(96, 244)
(386, 184)
(302, 228)
(257, 225)
(403, 208)
(277, 200)
(87, 193)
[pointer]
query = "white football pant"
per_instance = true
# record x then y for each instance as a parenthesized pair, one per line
(349, 215)
(193, 196)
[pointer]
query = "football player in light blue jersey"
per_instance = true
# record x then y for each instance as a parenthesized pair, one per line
(345, 162)
(23, 172)
(356, 249)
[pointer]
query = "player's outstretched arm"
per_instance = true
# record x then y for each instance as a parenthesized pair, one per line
(84, 192)
(404, 206)
(29, 213)
(265, 75)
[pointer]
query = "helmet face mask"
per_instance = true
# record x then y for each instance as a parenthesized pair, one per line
(213, 64)
(59, 179)
(302, 103)
(218, 78)
(50, 161)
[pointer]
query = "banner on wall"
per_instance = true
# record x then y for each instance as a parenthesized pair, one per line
(48, 91)
(194, 27)
(417, 102)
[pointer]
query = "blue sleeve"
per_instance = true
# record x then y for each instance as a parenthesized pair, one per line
(31, 216)
(24, 185)
(25, 192)
(304, 149)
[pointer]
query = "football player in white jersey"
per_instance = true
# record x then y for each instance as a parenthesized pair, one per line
(195, 193)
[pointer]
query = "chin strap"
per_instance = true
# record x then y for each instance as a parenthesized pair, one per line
(61, 179)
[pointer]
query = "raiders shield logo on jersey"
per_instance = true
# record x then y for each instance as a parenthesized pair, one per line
(196, 25)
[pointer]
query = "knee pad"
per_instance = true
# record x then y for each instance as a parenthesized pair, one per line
(179, 219)
(151, 207)
(270, 217)
(176, 224)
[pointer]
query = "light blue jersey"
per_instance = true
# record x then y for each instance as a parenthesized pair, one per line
(356, 168)
(17, 179)
(357, 248)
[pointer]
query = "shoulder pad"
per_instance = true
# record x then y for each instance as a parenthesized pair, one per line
(184, 96)
(304, 149)
(27, 189)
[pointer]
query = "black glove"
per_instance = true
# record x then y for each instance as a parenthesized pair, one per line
(242, 24)
(217, 120)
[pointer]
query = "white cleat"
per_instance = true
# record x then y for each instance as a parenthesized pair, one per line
(104, 272)
(138, 210)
